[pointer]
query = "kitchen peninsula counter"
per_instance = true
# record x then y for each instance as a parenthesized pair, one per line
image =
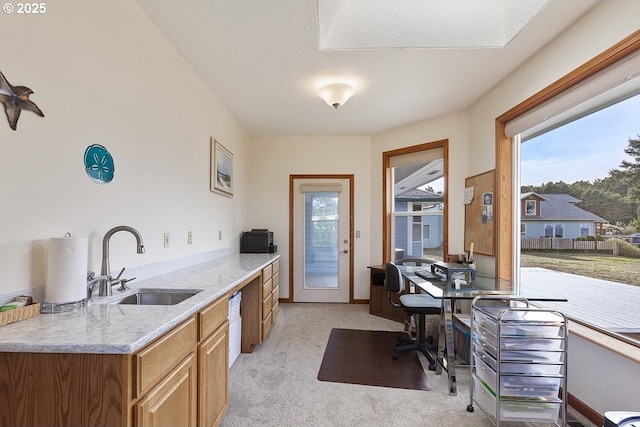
(104, 328)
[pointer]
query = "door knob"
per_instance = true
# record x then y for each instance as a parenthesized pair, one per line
(345, 251)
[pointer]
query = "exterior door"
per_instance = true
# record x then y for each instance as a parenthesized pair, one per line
(321, 239)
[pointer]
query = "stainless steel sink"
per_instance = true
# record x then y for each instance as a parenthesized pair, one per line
(157, 297)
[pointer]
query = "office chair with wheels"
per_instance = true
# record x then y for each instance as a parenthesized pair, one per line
(420, 305)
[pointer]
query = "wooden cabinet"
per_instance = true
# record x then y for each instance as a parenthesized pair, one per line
(180, 379)
(172, 402)
(213, 373)
(270, 282)
(157, 359)
(196, 391)
(275, 293)
(379, 297)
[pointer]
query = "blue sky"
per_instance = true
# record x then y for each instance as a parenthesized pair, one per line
(585, 149)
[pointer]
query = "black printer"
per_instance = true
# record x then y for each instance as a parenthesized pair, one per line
(257, 241)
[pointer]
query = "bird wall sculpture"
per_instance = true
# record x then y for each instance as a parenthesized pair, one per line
(16, 99)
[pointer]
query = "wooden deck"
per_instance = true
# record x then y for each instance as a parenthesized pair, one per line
(608, 305)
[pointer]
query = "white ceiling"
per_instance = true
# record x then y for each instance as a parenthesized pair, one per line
(263, 59)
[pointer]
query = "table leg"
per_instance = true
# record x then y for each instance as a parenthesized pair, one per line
(445, 341)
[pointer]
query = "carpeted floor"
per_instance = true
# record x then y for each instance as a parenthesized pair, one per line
(356, 356)
(277, 384)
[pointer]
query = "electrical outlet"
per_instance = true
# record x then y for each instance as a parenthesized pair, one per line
(166, 240)
(357, 233)
(189, 237)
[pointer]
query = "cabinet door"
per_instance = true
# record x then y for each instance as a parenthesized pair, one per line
(172, 402)
(213, 361)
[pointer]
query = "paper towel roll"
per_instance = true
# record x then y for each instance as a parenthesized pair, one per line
(67, 269)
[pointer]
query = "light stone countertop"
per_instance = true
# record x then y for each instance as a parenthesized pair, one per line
(122, 329)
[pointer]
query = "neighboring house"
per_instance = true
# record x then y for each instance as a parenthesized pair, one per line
(556, 215)
(425, 228)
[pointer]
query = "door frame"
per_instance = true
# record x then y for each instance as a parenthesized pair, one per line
(292, 178)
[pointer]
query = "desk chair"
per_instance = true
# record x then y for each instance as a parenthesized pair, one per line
(409, 324)
(420, 305)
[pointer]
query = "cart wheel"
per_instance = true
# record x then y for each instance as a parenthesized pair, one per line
(469, 408)
(395, 356)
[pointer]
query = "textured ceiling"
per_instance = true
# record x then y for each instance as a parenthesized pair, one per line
(263, 60)
(437, 24)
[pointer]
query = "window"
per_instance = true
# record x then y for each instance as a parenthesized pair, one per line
(417, 236)
(415, 201)
(531, 207)
(584, 230)
(559, 231)
(323, 212)
(586, 185)
(548, 230)
(626, 52)
(523, 229)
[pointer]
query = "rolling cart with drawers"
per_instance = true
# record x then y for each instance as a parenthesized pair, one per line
(518, 361)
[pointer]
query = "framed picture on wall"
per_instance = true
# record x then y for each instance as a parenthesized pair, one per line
(221, 169)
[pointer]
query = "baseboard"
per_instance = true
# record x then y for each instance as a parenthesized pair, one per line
(586, 411)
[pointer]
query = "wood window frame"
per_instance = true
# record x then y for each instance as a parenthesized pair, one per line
(504, 199)
(387, 185)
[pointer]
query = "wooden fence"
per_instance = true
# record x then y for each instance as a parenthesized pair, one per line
(561, 244)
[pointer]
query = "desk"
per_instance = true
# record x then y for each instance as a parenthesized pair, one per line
(446, 291)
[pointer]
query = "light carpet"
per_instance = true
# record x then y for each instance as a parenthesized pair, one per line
(276, 385)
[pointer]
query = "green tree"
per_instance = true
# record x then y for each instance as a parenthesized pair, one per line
(631, 170)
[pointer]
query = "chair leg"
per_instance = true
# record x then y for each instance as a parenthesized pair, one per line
(420, 344)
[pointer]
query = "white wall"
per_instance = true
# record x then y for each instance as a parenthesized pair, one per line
(605, 25)
(600, 378)
(273, 160)
(103, 74)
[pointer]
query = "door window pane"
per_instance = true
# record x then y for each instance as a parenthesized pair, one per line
(321, 240)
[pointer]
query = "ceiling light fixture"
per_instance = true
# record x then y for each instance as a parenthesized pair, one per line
(336, 94)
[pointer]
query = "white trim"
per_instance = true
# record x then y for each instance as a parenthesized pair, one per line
(581, 98)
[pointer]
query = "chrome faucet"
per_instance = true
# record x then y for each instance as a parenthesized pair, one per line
(91, 283)
(107, 282)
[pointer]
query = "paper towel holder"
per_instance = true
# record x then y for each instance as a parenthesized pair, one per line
(59, 307)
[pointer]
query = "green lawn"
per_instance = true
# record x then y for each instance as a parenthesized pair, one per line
(601, 266)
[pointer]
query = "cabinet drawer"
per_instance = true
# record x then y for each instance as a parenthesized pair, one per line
(274, 312)
(266, 326)
(276, 266)
(267, 287)
(156, 359)
(213, 316)
(276, 279)
(275, 296)
(267, 272)
(266, 306)
(173, 401)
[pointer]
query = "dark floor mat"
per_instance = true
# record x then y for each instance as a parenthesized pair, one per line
(364, 357)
